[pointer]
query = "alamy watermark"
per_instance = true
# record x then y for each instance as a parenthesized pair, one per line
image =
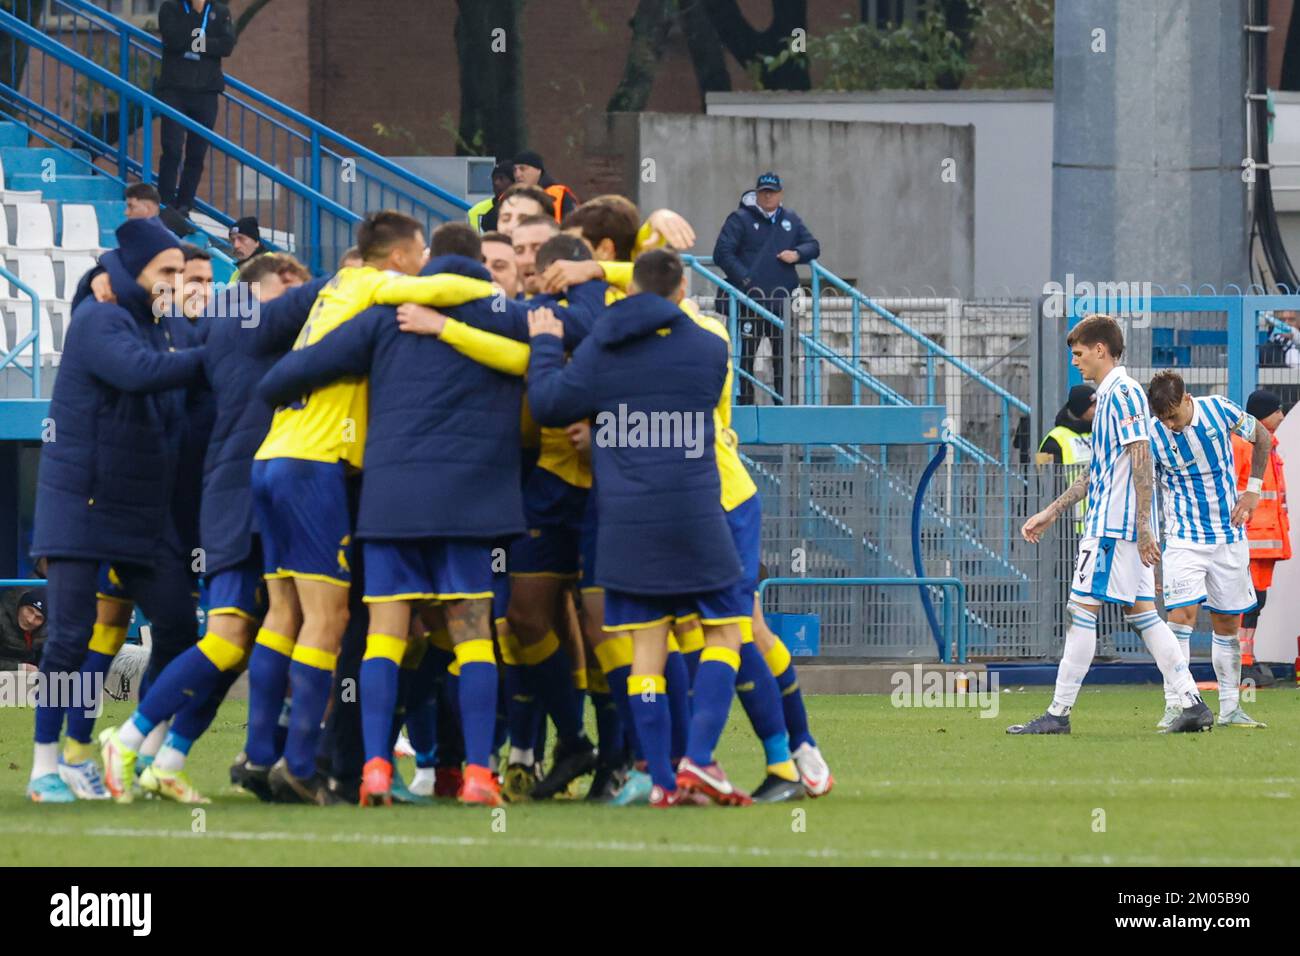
(919, 687)
(71, 690)
(1126, 302)
(637, 429)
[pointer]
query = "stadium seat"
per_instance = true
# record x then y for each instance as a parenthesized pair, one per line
(74, 267)
(34, 228)
(16, 196)
(80, 233)
(38, 272)
(51, 341)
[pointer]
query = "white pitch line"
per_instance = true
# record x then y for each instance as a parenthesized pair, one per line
(624, 847)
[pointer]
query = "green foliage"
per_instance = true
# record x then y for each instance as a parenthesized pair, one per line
(1015, 37)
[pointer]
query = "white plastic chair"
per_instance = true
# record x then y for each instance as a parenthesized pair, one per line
(80, 231)
(50, 351)
(75, 265)
(38, 273)
(16, 196)
(35, 228)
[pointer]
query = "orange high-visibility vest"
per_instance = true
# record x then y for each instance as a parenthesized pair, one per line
(557, 193)
(1269, 531)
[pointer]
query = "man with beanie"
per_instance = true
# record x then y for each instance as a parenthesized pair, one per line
(483, 215)
(1070, 440)
(104, 486)
(196, 36)
(531, 171)
(246, 240)
(22, 628)
(1269, 529)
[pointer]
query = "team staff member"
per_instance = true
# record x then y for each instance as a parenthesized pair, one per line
(196, 36)
(483, 215)
(104, 486)
(193, 685)
(1269, 529)
(757, 248)
(22, 628)
(531, 171)
(663, 548)
(1070, 440)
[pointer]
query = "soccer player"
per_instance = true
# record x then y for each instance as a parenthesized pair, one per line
(303, 493)
(1121, 540)
(104, 487)
(521, 202)
(664, 548)
(191, 687)
(1206, 559)
(440, 488)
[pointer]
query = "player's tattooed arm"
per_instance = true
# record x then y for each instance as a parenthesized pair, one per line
(1140, 462)
(1248, 501)
(1033, 529)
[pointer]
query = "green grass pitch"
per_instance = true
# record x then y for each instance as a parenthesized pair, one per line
(913, 786)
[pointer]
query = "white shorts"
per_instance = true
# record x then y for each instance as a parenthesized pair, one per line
(1111, 570)
(1216, 575)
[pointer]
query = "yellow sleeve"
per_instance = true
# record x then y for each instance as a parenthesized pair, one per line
(643, 239)
(497, 352)
(441, 291)
(617, 274)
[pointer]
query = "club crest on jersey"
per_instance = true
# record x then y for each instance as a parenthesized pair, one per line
(785, 224)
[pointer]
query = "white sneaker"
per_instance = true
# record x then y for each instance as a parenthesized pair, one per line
(1171, 714)
(422, 782)
(84, 779)
(813, 770)
(1239, 718)
(403, 747)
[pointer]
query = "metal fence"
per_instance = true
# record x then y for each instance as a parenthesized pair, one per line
(832, 513)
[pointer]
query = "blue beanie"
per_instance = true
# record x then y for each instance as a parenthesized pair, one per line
(139, 240)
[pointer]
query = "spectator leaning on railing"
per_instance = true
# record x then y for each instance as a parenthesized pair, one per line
(22, 628)
(196, 36)
(757, 249)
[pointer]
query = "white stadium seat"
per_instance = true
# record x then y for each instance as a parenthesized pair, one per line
(38, 273)
(80, 230)
(34, 228)
(16, 196)
(74, 267)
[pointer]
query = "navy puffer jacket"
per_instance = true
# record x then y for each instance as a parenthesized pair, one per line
(106, 478)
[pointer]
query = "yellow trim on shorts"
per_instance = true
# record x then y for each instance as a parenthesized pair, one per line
(394, 598)
(615, 628)
(100, 596)
(594, 589)
(718, 621)
(323, 578)
(275, 575)
(232, 612)
(463, 596)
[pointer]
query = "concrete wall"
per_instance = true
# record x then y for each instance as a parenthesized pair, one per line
(870, 192)
(1013, 163)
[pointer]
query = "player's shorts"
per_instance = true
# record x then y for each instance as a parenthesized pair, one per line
(587, 548)
(302, 512)
(554, 511)
(239, 590)
(1216, 575)
(110, 587)
(729, 605)
(746, 524)
(1111, 570)
(428, 569)
(500, 595)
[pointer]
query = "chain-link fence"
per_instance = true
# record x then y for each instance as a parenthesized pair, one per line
(842, 513)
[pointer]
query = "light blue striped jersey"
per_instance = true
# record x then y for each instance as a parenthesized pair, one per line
(1196, 471)
(1121, 419)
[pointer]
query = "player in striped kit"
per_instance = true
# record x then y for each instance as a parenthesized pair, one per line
(1120, 540)
(1206, 558)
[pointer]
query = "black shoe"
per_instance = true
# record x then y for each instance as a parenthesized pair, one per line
(1192, 720)
(286, 788)
(1261, 675)
(348, 791)
(606, 783)
(570, 760)
(252, 778)
(1044, 724)
(776, 789)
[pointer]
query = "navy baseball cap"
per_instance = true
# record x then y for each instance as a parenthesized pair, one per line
(768, 182)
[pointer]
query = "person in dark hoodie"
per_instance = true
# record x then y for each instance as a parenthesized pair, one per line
(277, 292)
(104, 487)
(22, 628)
(664, 550)
(441, 489)
(757, 249)
(196, 36)
(531, 171)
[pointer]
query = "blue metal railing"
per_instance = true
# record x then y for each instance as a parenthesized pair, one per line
(935, 353)
(32, 338)
(309, 205)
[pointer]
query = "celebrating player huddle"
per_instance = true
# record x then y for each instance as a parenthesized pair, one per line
(1187, 443)
(401, 496)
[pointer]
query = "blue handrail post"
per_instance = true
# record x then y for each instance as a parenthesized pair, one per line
(315, 238)
(124, 108)
(146, 147)
(857, 347)
(814, 384)
(36, 346)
